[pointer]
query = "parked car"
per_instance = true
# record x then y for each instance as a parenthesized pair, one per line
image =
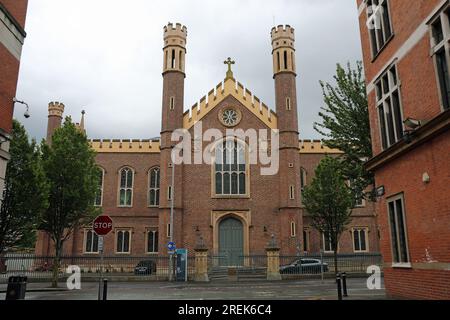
(145, 267)
(304, 266)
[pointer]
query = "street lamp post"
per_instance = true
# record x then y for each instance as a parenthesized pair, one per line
(172, 198)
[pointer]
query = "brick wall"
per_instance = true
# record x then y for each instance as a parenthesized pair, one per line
(427, 206)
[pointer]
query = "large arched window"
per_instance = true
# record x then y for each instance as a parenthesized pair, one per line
(98, 202)
(153, 187)
(126, 187)
(230, 169)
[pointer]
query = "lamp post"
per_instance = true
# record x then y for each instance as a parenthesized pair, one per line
(172, 197)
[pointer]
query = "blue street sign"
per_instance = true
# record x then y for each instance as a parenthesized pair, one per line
(171, 246)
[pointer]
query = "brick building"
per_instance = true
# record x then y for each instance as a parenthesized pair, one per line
(12, 36)
(406, 49)
(233, 207)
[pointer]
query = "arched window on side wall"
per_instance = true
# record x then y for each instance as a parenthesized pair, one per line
(303, 175)
(98, 202)
(126, 176)
(153, 187)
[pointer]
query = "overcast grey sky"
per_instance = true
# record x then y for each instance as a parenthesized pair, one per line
(105, 56)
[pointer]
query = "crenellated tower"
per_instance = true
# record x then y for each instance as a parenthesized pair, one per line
(55, 115)
(172, 119)
(284, 70)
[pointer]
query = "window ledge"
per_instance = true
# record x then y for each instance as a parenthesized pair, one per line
(231, 197)
(375, 57)
(152, 253)
(402, 266)
(91, 253)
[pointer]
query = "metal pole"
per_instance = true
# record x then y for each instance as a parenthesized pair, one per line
(172, 196)
(339, 288)
(105, 289)
(321, 264)
(100, 239)
(344, 284)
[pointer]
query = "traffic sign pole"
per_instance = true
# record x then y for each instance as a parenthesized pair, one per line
(102, 225)
(100, 247)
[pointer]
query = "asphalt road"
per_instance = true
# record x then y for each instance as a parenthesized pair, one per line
(258, 290)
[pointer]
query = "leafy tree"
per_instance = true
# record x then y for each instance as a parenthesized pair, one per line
(72, 177)
(329, 200)
(346, 126)
(25, 192)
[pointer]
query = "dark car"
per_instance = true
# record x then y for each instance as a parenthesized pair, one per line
(304, 266)
(145, 267)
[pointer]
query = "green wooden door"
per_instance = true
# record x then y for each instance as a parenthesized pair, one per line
(231, 242)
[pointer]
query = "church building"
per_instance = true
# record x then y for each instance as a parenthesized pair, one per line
(229, 206)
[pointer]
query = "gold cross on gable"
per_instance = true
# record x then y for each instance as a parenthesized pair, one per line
(229, 62)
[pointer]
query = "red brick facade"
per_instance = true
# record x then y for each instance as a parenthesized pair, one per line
(416, 168)
(266, 209)
(12, 36)
(15, 12)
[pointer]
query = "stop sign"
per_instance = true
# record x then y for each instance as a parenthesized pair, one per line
(102, 225)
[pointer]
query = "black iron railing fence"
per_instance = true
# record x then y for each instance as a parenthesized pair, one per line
(113, 267)
(313, 264)
(154, 267)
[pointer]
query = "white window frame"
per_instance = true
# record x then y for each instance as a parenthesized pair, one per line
(369, 16)
(366, 238)
(444, 16)
(394, 87)
(394, 199)
(293, 229)
(85, 240)
(155, 234)
(292, 192)
(117, 231)
(168, 230)
(323, 244)
(306, 234)
(126, 188)
(156, 188)
(169, 193)
(101, 190)
(288, 104)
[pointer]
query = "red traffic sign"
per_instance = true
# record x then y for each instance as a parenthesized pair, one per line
(102, 225)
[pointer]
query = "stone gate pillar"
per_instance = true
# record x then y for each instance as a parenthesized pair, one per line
(273, 261)
(201, 264)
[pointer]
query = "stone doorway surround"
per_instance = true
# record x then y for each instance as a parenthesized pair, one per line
(243, 216)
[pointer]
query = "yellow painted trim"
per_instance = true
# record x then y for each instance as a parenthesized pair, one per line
(125, 146)
(230, 87)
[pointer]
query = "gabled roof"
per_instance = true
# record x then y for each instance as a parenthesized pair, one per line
(230, 87)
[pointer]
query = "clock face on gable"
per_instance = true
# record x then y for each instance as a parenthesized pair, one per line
(230, 117)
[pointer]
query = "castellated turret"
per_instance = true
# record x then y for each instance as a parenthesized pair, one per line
(55, 115)
(174, 47)
(56, 109)
(283, 45)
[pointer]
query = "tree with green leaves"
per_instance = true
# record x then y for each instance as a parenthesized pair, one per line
(72, 177)
(329, 200)
(25, 193)
(345, 125)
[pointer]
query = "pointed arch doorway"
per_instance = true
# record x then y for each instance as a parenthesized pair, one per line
(231, 242)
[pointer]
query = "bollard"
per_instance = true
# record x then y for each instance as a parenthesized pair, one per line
(338, 282)
(105, 289)
(344, 284)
